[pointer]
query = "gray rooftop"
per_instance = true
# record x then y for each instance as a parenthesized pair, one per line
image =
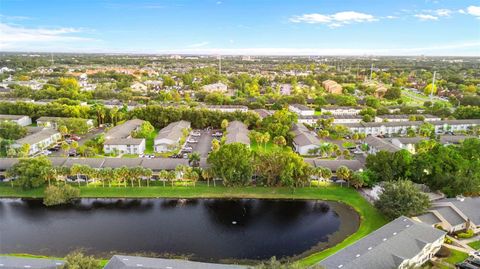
(37, 136)
(123, 130)
(8, 262)
(381, 144)
(55, 119)
(301, 107)
(303, 136)
(469, 206)
(11, 117)
(409, 140)
(124, 141)
(305, 139)
(133, 262)
(429, 218)
(354, 165)
(450, 215)
(237, 132)
(173, 131)
(387, 247)
(155, 164)
(455, 139)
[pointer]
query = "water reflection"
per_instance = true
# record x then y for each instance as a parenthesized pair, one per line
(208, 229)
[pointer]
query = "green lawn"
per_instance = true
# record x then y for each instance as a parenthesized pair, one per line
(455, 257)
(149, 142)
(475, 244)
(24, 255)
(371, 219)
(261, 147)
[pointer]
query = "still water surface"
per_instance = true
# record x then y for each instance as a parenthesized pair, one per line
(204, 229)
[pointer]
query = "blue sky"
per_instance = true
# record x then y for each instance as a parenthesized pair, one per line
(282, 27)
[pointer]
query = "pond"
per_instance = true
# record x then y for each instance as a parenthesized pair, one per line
(202, 229)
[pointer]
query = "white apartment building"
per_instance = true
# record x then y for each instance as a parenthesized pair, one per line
(21, 120)
(301, 110)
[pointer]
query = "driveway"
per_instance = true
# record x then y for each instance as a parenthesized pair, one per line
(204, 143)
(84, 138)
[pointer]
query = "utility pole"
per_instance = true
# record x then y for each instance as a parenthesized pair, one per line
(433, 85)
(51, 58)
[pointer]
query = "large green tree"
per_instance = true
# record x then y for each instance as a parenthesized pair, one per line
(12, 131)
(31, 173)
(401, 198)
(232, 163)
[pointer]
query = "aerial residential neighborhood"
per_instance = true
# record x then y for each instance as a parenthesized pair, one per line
(239, 134)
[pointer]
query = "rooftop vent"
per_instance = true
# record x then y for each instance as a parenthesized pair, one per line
(394, 233)
(358, 255)
(408, 225)
(384, 239)
(369, 248)
(340, 266)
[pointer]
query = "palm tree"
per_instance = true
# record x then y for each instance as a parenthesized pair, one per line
(163, 175)
(193, 175)
(318, 173)
(63, 172)
(172, 175)
(327, 173)
(147, 172)
(105, 174)
(207, 174)
(76, 170)
(65, 147)
(194, 159)
(265, 139)
(50, 173)
(344, 173)
(123, 174)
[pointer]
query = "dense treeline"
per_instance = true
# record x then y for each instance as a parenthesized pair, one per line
(451, 169)
(37, 110)
(160, 116)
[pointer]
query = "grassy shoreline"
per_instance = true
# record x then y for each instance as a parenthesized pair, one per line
(332, 193)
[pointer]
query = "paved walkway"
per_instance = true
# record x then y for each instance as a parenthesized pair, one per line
(464, 247)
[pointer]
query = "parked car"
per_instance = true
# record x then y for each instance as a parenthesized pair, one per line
(196, 134)
(192, 141)
(185, 155)
(217, 134)
(75, 137)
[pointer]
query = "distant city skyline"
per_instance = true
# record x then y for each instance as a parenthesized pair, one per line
(243, 27)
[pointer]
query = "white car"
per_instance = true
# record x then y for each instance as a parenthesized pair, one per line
(193, 141)
(475, 254)
(196, 134)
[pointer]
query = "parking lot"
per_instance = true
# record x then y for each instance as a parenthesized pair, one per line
(204, 142)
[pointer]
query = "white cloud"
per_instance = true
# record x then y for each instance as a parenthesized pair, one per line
(219, 2)
(14, 36)
(474, 11)
(443, 12)
(198, 45)
(426, 17)
(334, 20)
(391, 17)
